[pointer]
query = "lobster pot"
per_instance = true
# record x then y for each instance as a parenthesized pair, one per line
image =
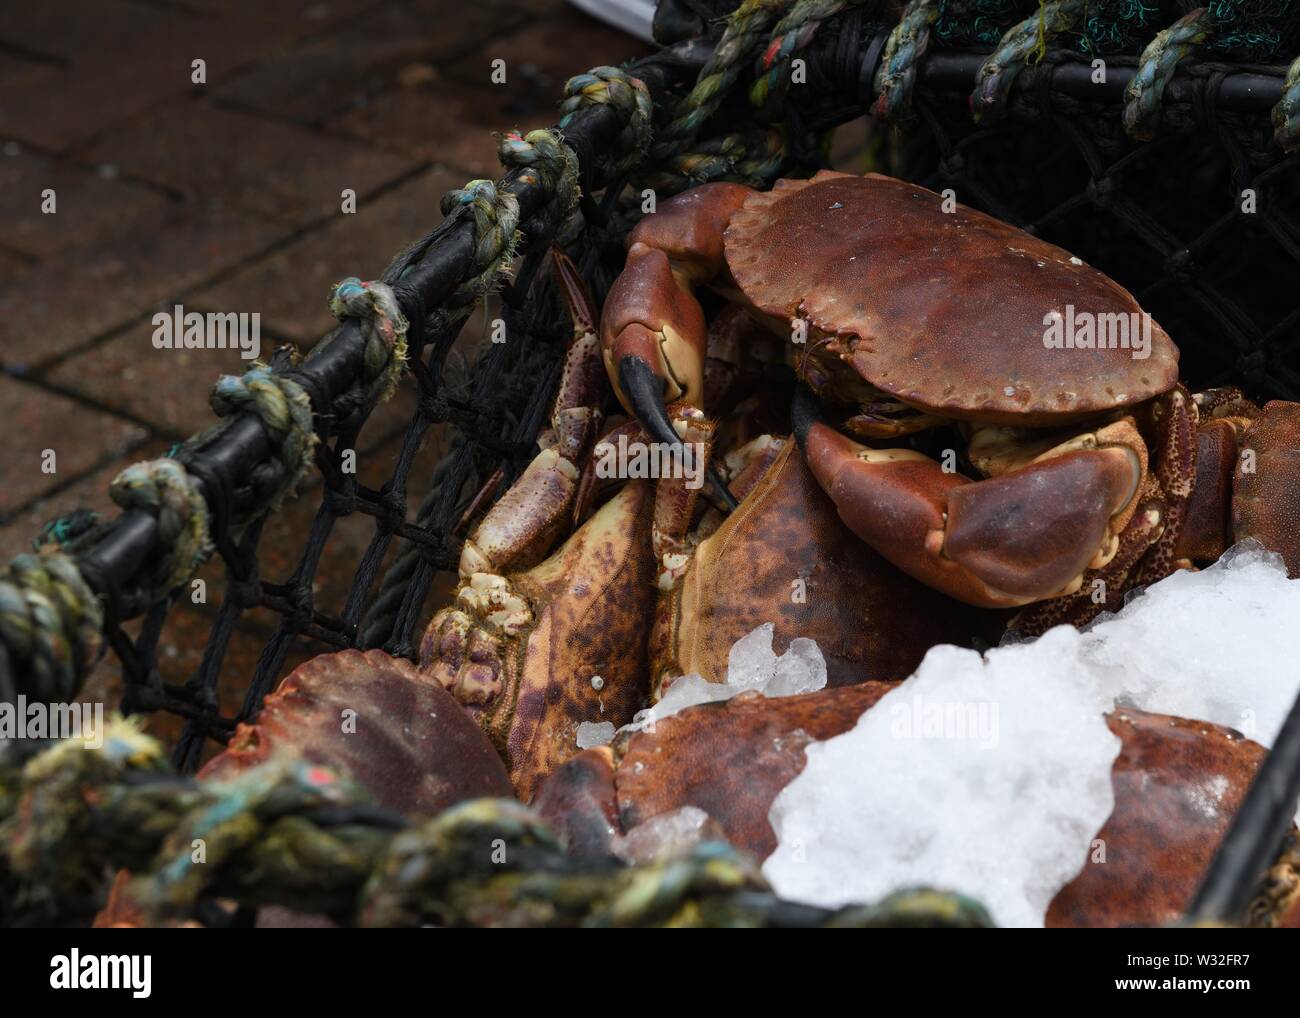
(1158, 141)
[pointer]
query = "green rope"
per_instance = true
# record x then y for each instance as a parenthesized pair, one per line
(495, 215)
(792, 33)
(746, 27)
(906, 46)
(1286, 114)
(614, 87)
(61, 848)
(296, 835)
(374, 305)
(998, 73)
(1156, 68)
(548, 162)
(163, 488)
(50, 625)
(283, 407)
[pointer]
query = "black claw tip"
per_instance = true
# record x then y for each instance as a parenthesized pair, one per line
(645, 392)
(805, 411)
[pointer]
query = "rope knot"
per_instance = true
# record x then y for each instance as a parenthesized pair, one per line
(1157, 67)
(543, 156)
(495, 213)
(904, 51)
(283, 407)
(164, 488)
(50, 626)
(375, 306)
(613, 86)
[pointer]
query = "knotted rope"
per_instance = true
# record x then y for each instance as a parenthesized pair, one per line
(792, 34)
(1156, 68)
(164, 488)
(297, 835)
(495, 212)
(555, 166)
(746, 27)
(1286, 114)
(614, 87)
(907, 45)
(374, 305)
(998, 73)
(283, 407)
(50, 627)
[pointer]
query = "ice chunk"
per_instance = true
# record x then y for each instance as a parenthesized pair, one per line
(752, 661)
(595, 733)
(666, 837)
(1220, 645)
(985, 775)
(752, 665)
(991, 776)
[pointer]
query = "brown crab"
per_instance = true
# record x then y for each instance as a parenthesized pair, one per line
(372, 718)
(730, 760)
(378, 720)
(534, 645)
(783, 557)
(908, 312)
(648, 588)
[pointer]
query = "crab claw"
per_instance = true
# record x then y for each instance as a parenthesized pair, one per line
(649, 316)
(644, 391)
(1024, 536)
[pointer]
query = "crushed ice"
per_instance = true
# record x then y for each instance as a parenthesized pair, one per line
(991, 775)
(752, 666)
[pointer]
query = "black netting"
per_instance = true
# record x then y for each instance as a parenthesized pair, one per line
(1202, 224)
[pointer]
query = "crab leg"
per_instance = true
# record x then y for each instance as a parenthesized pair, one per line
(521, 528)
(1024, 536)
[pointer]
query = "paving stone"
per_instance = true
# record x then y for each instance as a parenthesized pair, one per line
(90, 209)
(279, 170)
(458, 108)
(35, 420)
(455, 122)
(60, 108)
(331, 74)
(73, 30)
(290, 287)
(87, 292)
(89, 492)
(12, 265)
(15, 68)
(167, 388)
(311, 15)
